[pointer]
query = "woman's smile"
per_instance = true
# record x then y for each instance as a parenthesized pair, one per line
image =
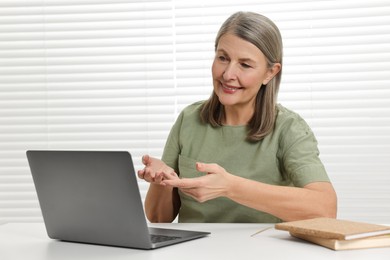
(230, 89)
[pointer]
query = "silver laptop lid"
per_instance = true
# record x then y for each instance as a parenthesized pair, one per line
(90, 196)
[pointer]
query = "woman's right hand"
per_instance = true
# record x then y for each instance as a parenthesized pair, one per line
(154, 170)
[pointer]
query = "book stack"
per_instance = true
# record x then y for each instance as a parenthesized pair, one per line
(338, 234)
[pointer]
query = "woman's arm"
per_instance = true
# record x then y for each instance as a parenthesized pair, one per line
(317, 199)
(162, 203)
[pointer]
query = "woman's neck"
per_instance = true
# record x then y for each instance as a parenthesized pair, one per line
(237, 116)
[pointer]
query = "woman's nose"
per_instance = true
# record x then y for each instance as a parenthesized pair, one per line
(230, 72)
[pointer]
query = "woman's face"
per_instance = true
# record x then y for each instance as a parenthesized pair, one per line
(239, 69)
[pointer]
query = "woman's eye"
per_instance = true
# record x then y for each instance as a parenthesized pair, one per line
(222, 58)
(244, 65)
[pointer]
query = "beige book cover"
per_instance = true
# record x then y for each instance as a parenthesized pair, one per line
(333, 228)
(336, 244)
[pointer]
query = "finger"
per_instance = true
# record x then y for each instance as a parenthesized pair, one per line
(158, 178)
(188, 192)
(207, 167)
(141, 174)
(173, 183)
(146, 159)
(195, 194)
(149, 175)
(170, 175)
(182, 183)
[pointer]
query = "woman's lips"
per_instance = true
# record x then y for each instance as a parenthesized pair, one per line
(230, 89)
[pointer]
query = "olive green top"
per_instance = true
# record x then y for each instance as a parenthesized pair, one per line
(288, 157)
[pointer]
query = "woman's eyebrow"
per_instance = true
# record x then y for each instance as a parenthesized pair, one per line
(240, 59)
(247, 60)
(221, 50)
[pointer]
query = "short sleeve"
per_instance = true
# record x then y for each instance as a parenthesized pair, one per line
(301, 162)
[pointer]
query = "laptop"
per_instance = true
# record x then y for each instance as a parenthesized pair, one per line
(93, 197)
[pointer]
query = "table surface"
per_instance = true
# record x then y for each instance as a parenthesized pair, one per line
(227, 241)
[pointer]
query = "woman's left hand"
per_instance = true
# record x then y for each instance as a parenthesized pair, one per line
(214, 184)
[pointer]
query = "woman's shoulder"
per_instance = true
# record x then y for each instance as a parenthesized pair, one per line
(289, 120)
(193, 109)
(285, 113)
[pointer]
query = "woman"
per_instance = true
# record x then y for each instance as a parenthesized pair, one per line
(239, 156)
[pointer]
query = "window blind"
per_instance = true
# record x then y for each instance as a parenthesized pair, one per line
(114, 74)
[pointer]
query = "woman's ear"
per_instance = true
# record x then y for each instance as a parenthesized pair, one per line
(271, 73)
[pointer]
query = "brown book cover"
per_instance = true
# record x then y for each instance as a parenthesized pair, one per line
(336, 244)
(333, 228)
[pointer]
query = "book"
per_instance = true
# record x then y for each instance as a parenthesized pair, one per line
(337, 244)
(333, 228)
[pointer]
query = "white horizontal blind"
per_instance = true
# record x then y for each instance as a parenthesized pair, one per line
(81, 75)
(93, 74)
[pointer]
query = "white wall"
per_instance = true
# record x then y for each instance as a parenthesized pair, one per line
(102, 74)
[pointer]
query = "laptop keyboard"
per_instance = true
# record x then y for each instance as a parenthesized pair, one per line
(162, 238)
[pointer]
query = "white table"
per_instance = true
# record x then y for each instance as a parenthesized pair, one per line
(29, 241)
